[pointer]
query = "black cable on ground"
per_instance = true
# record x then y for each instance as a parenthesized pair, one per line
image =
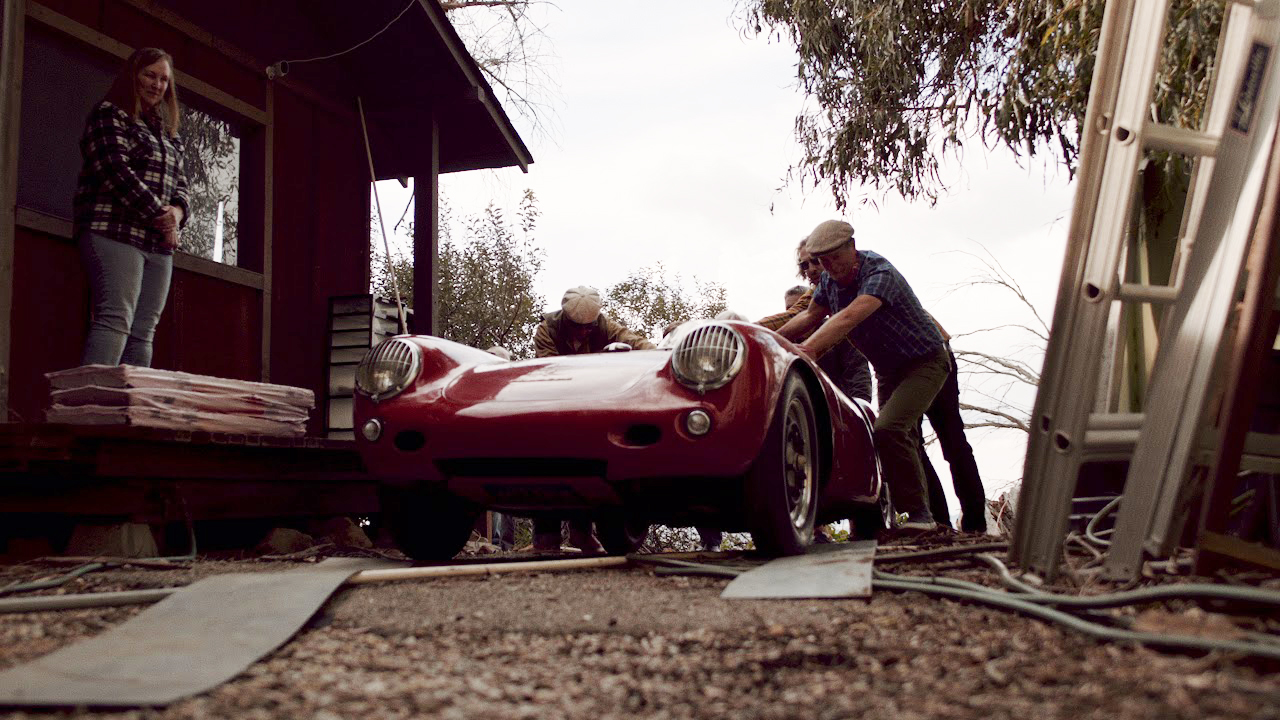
(935, 553)
(1037, 605)
(53, 582)
(1026, 606)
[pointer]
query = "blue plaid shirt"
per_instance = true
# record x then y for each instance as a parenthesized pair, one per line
(900, 332)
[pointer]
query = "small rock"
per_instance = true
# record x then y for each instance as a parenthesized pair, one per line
(342, 531)
(282, 541)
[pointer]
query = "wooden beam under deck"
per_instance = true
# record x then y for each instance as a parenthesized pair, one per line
(151, 475)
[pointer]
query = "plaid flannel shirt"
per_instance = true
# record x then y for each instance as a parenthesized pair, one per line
(774, 322)
(897, 334)
(132, 168)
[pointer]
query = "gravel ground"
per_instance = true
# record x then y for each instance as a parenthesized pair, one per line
(629, 643)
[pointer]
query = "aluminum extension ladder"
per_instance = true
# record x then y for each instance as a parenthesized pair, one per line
(1070, 424)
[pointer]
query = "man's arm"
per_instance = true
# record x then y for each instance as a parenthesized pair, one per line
(840, 325)
(804, 323)
(543, 345)
(616, 332)
(773, 322)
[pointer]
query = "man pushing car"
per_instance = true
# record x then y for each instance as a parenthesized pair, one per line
(863, 297)
(578, 327)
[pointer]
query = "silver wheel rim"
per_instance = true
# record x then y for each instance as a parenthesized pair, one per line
(798, 448)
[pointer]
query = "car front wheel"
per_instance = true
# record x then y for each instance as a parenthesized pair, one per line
(782, 485)
(428, 526)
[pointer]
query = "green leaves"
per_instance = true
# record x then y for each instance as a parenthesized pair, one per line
(898, 83)
(485, 284)
(648, 300)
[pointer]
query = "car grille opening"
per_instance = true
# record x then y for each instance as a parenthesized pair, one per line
(642, 435)
(522, 467)
(410, 440)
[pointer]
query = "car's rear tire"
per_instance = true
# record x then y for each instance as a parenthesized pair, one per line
(621, 534)
(868, 521)
(427, 525)
(782, 484)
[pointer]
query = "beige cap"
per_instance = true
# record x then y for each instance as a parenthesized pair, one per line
(581, 304)
(500, 351)
(828, 236)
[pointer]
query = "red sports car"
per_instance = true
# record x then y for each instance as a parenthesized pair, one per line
(724, 426)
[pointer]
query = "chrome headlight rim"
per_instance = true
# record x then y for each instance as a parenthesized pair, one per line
(412, 359)
(691, 337)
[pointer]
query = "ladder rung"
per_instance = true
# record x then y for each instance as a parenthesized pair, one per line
(1113, 431)
(1148, 293)
(1264, 8)
(1114, 421)
(1158, 136)
(1111, 439)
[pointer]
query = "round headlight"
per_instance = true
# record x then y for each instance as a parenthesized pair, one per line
(707, 357)
(697, 422)
(387, 369)
(372, 429)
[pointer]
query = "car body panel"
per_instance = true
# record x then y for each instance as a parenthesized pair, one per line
(591, 432)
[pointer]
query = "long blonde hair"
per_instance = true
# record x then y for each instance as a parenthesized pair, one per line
(124, 91)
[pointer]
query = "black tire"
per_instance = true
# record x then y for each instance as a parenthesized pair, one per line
(868, 521)
(621, 534)
(782, 484)
(428, 526)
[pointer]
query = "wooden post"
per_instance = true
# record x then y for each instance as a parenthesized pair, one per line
(426, 239)
(13, 16)
(268, 201)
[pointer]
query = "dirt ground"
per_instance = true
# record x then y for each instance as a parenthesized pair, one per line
(628, 643)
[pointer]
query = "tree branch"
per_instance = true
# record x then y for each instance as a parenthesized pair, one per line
(1010, 421)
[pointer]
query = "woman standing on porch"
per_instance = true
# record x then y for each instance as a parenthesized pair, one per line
(130, 203)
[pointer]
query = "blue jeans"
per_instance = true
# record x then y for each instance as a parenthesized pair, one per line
(128, 287)
(504, 531)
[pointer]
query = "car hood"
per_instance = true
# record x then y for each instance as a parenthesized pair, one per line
(556, 378)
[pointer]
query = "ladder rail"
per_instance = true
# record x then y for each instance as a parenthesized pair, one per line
(1038, 501)
(1059, 426)
(1187, 358)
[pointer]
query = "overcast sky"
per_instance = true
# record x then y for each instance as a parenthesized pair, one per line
(671, 142)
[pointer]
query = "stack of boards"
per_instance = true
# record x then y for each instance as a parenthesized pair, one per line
(146, 397)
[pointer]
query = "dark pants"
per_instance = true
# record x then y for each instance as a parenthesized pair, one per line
(944, 417)
(848, 369)
(905, 394)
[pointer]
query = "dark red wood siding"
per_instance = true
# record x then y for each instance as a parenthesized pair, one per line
(212, 326)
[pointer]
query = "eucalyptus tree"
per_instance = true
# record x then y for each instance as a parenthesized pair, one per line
(212, 167)
(509, 43)
(894, 86)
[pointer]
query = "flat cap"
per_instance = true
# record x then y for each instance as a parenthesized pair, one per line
(828, 236)
(581, 304)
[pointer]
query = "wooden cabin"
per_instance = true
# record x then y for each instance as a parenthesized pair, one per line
(283, 214)
(279, 228)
